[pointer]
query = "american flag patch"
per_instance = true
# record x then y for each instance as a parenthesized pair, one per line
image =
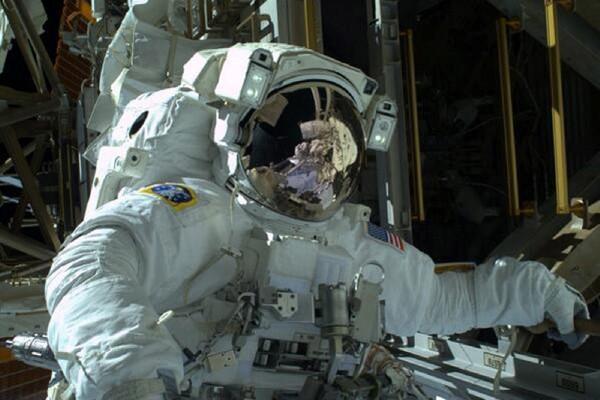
(384, 235)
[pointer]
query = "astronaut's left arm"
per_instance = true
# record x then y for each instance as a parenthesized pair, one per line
(500, 292)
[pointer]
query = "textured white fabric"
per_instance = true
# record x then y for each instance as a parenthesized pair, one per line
(564, 304)
(142, 57)
(175, 131)
(94, 284)
(139, 389)
(132, 260)
(504, 291)
(107, 287)
(138, 256)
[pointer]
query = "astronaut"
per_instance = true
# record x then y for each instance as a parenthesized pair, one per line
(219, 257)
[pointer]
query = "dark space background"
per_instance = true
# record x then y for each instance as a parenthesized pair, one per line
(16, 74)
(461, 132)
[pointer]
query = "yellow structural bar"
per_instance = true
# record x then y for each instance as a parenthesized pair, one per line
(510, 153)
(5, 355)
(310, 25)
(86, 10)
(558, 124)
(414, 123)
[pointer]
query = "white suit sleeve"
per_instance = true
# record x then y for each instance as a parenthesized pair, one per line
(103, 328)
(500, 292)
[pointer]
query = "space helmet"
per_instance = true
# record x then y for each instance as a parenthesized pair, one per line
(302, 151)
(292, 126)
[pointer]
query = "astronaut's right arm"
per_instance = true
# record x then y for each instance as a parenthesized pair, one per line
(504, 291)
(103, 328)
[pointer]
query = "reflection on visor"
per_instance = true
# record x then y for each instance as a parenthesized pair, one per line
(313, 181)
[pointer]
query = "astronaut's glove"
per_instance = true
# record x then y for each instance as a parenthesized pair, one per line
(564, 304)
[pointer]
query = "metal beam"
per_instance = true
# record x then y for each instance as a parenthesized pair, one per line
(558, 123)
(201, 19)
(310, 26)
(457, 369)
(26, 271)
(36, 42)
(8, 164)
(17, 97)
(67, 152)
(9, 138)
(25, 245)
(510, 153)
(392, 167)
(14, 115)
(413, 114)
(21, 39)
(529, 240)
(36, 163)
(580, 267)
(581, 42)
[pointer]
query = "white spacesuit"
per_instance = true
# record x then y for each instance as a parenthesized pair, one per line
(229, 263)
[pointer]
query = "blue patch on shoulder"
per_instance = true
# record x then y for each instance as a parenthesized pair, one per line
(173, 193)
(177, 196)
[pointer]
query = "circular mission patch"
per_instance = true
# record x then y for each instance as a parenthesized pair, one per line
(176, 195)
